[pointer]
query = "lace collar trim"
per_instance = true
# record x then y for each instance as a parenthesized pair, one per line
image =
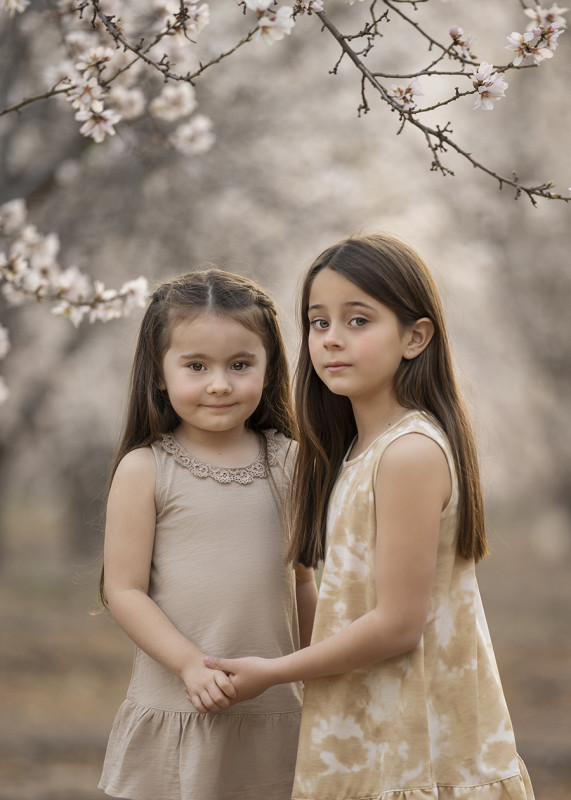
(257, 469)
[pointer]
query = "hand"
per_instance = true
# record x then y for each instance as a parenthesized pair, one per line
(208, 690)
(250, 676)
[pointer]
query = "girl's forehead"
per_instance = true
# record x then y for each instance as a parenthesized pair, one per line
(211, 330)
(330, 286)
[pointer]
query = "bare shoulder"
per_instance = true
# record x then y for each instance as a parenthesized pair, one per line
(414, 449)
(138, 466)
(413, 465)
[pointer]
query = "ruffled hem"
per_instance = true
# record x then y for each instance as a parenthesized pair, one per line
(515, 787)
(154, 754)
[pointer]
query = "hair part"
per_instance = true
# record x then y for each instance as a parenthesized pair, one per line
(395, 275)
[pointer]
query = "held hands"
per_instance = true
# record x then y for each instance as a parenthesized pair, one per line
(249, 676)
(207, 689)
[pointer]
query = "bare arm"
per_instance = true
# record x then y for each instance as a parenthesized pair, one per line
(413, 486)
(306, 596)
(129, 539)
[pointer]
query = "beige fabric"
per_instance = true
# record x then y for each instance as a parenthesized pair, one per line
(431, 724)
(218, 573)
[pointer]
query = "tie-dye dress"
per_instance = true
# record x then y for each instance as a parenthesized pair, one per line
(431, 724)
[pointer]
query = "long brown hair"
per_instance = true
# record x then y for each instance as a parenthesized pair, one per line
(149, 412)
(395, 275)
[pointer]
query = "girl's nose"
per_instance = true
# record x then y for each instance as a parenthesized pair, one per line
(219, 384)
(333, 338)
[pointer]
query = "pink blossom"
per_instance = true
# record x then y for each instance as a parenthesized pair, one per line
(549, 35)
(490, 86)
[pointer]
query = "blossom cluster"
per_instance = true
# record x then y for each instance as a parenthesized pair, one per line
(103, 84)
(30, 270)
(274, 24)
(540, 39)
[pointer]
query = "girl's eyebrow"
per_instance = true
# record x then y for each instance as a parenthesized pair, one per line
(205, 357)
(350, 303)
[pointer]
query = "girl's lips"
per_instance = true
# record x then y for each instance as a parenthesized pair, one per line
(336, 366)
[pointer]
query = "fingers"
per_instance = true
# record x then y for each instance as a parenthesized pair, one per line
(225, 684)
(212, 697)
(218, 663)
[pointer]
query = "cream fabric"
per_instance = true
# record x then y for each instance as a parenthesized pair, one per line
(218, 573)
(431, 724)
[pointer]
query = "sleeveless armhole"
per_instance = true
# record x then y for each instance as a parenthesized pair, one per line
(431, 431)
(160, 494)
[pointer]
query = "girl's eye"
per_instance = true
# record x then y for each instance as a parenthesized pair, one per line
(196, 366)
(240, 366)
(319, 324)
(358, 322)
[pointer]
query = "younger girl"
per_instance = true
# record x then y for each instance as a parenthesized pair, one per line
(402, 700)
(195, 548)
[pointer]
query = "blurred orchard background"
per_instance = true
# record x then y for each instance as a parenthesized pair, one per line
(292, 169)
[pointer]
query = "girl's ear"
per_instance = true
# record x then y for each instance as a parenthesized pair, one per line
(417, 337)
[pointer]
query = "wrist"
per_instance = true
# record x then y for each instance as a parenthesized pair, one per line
(280, 670)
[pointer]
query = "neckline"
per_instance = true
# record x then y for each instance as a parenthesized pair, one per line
(201, 469)
(349, 461)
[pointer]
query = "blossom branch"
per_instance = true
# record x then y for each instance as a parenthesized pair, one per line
(438, 139)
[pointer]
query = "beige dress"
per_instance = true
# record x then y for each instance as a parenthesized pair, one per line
(428, 725)
(218, 573)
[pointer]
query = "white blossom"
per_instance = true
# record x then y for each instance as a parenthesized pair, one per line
(193, 137)
(129, 103)
(540, 16)
(98, 125)
(490, 86)
(12, 216)
(175, 101)
(94, 61)
(519, 45)
(196, 19)
(259, 5)
(135, 294)
(73, 312)
(405, 95)
(73, 284)
(39, 249)
(4, 341)
(274, 26)
(15, 6)
(86, 95)
(302, 6)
